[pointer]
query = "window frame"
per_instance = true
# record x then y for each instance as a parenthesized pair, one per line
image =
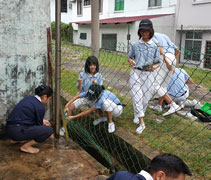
(191, 55)
(87, 3)
(155, 3)
(79, 5)
(119, 6)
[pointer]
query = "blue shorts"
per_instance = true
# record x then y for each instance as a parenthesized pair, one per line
(27, 133)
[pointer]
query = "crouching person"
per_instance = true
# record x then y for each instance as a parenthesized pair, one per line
(102, 101)
(25, 123)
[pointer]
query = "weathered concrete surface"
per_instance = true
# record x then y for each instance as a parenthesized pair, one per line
(57, 160)
(23, 50)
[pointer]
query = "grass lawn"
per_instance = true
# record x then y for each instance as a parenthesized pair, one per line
(183, 137)
(199, 76)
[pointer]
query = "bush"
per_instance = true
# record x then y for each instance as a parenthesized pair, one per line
(66, 32)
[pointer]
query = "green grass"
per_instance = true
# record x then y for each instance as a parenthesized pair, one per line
(183, 137)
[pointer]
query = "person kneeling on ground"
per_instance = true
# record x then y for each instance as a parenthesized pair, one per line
(162, 167)
(102, 101)
(179, 91)
(26, 123)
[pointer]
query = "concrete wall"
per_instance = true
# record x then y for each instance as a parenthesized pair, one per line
(23, 50)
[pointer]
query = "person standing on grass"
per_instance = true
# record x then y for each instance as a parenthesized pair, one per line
(164, 73)
(26, 122)
(162, 167)
(102, 101)
(144, 58)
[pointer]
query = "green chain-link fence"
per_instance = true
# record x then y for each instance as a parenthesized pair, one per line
(180, 133)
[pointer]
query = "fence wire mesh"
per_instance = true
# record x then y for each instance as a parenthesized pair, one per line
(180, 133)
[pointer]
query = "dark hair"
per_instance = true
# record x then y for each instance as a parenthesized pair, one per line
(91, 60)
(94, 91)
(151, 33)
(172, 165)
(43, 90)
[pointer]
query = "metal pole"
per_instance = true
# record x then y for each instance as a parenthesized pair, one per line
(95, 27)
(180, 43)
(58, 66)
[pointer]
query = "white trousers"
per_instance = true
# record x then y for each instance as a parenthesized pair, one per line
(141, 84)
(163, 75)
(81, 102)
(181, 99)
(110, 106)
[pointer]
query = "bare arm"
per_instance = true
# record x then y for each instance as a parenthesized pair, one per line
(168, 64)
(79, 84)
(82, 114)
(189, 81)
(70, 102)
(177, 53)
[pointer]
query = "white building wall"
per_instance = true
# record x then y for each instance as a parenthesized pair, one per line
(65, 17)
(131, 8)
(194, 15)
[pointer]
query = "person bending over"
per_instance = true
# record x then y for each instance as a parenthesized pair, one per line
(102, 101)
(162, 167)
(26, 122)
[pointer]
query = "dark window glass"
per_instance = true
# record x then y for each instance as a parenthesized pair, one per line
(153, 3)
(64, 6)
(83, 36)
(87, 2)
(79, 7)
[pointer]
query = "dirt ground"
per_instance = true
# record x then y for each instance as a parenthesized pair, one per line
(57, 160)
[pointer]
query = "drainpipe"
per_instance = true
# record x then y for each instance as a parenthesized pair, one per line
(180, 43)
(58, 66)
(95, 27)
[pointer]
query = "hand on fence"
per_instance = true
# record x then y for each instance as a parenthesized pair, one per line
(70, 117)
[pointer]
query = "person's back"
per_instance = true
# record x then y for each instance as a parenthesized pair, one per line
(165, 42)
(28, 111)
(125, 175)
(177, 85)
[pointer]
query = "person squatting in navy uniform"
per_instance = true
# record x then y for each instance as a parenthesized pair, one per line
(26, 122)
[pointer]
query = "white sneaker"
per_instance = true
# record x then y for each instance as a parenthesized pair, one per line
(173, 108)
(140, 129)
(157, 108)
(136, 120)
(111, 127)
(98, 121)
(62, 131)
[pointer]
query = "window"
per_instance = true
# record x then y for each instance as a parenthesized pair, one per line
(153, 3)
(83, 36)
(100, 6)
(193, 43)
(87, 2)
(79, 7)
(64, 6)
(119, 5)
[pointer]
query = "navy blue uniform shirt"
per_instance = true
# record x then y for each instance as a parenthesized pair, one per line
(29, 111)
(125, 175)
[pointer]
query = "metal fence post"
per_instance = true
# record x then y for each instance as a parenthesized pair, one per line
(58, 66)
